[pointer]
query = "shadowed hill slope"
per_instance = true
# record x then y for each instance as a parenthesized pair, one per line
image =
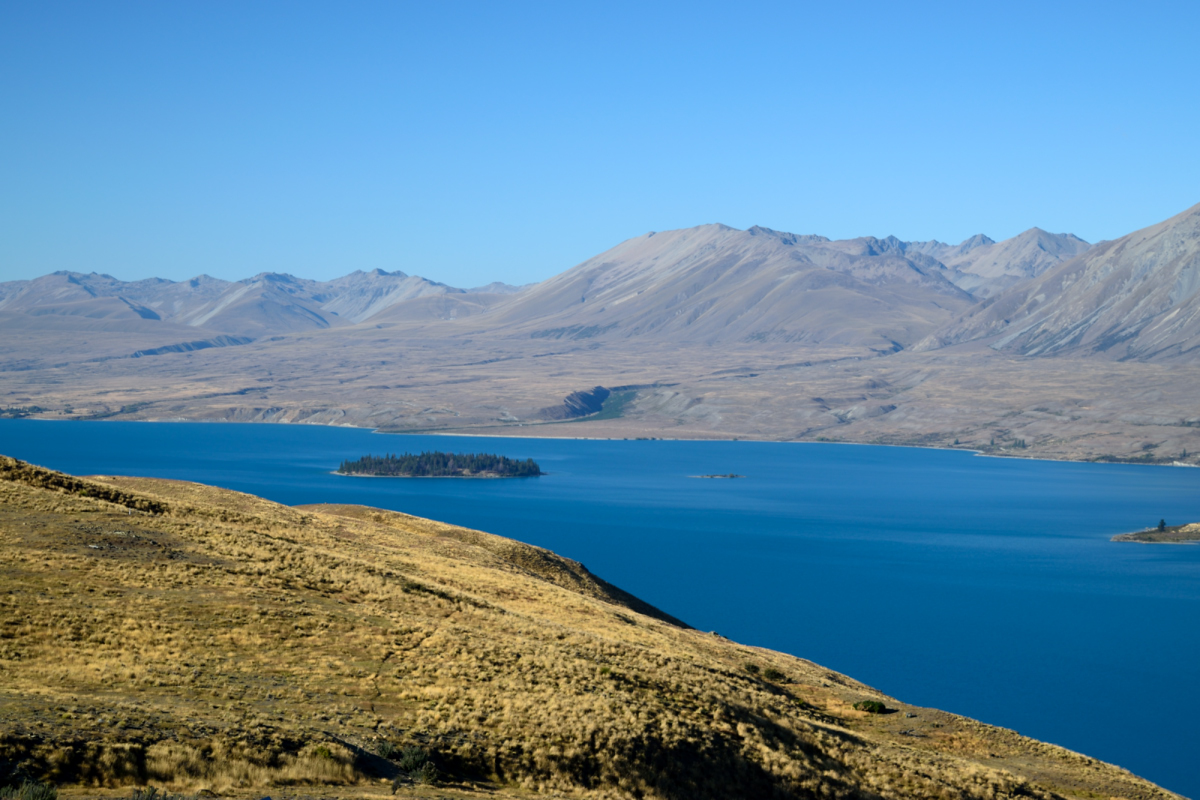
(204, 639)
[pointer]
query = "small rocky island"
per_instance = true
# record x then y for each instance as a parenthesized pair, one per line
(1163, 534)
(729, 475)
(441, 465)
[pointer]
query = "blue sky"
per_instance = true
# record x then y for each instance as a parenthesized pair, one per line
(509, 141)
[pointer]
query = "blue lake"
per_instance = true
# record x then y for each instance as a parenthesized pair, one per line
(983, 586)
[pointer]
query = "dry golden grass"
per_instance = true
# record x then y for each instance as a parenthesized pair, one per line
(200, 639)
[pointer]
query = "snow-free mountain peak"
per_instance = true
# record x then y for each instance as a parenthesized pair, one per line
(1137, 297)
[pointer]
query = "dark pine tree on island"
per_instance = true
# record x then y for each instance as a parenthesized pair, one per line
(441, 465)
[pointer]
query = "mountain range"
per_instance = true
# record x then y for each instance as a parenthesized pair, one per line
(267, 304)
(1035, 345)
(712, 284)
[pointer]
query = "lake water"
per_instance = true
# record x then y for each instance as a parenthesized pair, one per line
(983, 586)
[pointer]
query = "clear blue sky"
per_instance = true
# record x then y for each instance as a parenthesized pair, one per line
(509, 141)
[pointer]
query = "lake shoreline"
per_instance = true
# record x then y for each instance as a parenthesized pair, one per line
(443, 432)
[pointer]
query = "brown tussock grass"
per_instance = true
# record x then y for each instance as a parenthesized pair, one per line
(227, 643)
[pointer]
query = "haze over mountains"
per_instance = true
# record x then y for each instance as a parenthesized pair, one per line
(268, 303)
(712, 283)
(1009, 346)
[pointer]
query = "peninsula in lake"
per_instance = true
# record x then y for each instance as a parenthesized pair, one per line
(441, 465)
(1163, 534)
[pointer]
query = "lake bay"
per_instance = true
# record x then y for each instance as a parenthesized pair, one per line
(982, 586)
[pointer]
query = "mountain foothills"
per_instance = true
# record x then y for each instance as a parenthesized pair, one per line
(1035, 345)
(211, 642)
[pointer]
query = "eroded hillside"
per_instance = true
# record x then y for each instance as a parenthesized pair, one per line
(204, 639)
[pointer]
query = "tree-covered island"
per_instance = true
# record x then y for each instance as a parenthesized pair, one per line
(441, 465)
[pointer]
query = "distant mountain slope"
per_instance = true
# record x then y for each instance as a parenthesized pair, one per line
(444, 306)
(709, 284)
(275, 303)
(1132, 298)
(498, 287)
(717, 284)
(985, 267)
(60, 292)
(267, 304)
(992, 267)
(360, 295)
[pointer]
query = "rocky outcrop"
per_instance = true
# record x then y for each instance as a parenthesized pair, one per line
(577, 404)
(188, 347)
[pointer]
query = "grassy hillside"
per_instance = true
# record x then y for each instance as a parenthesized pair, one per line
(209, 641)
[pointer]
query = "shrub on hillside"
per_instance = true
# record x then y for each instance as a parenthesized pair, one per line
(871, 706)
(416, 766)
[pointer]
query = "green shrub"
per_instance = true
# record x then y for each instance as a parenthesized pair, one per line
(871, 706)
(426, 774)
(29, 790)
(751, 668)
(412, 758)
(322, 751)
(385, 749)
(772, 674)
(415, 766)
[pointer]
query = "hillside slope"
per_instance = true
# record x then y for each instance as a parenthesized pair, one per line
(1134, 298)
(715, 284)
(990, 268)
(208, 640)
(59, 290)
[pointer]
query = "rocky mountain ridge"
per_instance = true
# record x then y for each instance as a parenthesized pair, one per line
(1134, 298)
(712, 332)
(266, 304)
(713, 283)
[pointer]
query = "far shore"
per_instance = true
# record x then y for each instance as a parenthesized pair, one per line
(718, 438)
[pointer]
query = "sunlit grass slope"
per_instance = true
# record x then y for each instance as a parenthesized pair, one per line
(176, 634)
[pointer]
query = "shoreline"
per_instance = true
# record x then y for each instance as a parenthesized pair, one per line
(972, 451)
(1188, 533)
